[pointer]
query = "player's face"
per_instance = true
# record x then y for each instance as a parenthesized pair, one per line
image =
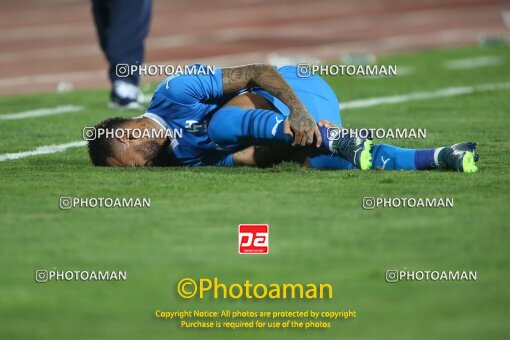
(135, 153)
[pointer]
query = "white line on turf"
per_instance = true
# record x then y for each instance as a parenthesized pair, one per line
(369, 102)
(484, 61)
(42, 150)
(41, 112)
(447, 92)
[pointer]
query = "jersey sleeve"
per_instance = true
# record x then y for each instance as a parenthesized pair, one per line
(191, 89)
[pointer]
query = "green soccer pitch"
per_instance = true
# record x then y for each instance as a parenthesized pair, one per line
(318, 229)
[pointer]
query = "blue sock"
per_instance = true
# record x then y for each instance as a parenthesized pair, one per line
(326, 143)
(425, 159)
(232, 126)
(318, 160)
(390, 157)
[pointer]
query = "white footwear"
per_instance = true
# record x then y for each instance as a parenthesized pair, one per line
(125, 95)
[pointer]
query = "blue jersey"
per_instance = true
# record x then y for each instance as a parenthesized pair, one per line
(186, 103)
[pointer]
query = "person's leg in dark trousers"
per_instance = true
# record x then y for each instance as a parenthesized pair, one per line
(122, 26)
(101, 12)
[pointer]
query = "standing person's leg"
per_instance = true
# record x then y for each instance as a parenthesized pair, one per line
(129, 26)
(101, 13)
(122, 27)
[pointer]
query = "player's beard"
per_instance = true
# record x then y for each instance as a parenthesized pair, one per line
(151, 150)
(161, 154)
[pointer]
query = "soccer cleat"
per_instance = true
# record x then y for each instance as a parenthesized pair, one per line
(356, 150)
(125, 96)
(459, 157)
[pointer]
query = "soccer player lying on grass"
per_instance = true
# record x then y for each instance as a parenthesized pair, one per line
(256, 115)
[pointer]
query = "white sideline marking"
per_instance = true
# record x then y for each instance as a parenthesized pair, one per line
(41, 112)
(447, 92)
(461, 64)
(41, 150)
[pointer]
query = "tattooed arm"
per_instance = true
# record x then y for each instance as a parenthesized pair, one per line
(300, 124)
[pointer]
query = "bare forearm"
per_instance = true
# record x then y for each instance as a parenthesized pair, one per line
(265, 76)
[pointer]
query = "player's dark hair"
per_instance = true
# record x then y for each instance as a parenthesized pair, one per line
(100, 148)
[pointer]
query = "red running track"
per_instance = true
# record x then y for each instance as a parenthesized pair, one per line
(44, 42)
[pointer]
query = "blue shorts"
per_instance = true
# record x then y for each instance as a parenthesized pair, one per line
(317, 96)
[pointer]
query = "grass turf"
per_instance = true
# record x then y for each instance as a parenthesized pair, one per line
(319, 232)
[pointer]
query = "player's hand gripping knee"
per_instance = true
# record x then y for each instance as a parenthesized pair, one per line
(301, 125)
